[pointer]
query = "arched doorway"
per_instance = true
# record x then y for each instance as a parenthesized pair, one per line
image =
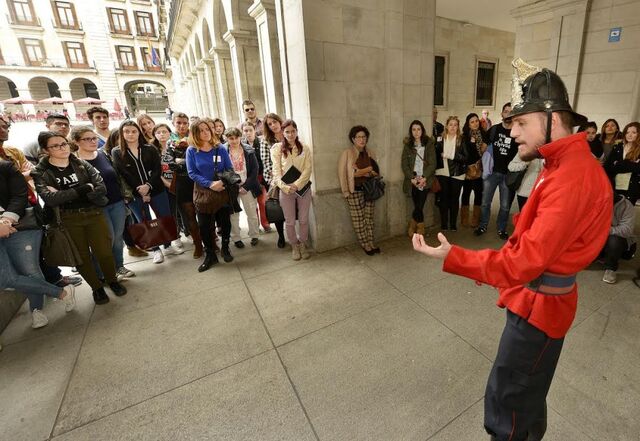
(7, 89)
(146, 96)
(83, 88)
(42, 88)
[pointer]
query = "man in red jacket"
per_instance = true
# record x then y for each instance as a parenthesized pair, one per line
(560, 231)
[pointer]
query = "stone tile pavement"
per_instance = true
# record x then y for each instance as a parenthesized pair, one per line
(341, 347)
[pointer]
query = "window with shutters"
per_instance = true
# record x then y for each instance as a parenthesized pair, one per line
(485, 83)
(33, 51)
(65, 15)
(144, 24)
(22, 12)
(118, 21)
(127, 58)
(75, 54)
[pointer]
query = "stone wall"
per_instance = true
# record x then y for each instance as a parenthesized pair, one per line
(364, 62)
(571, 38)
(463, 45)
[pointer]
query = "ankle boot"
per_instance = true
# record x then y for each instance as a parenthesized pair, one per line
(100, 297)
(295, 251)
(475, 220)
(412, 228)
(226, 252)
(421, 228)
(210, 259)
(464, 215)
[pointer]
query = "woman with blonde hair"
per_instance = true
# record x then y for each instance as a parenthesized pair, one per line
(206, 160)
(146, 124)
(292, 163)
(450, 170)
(623, 164)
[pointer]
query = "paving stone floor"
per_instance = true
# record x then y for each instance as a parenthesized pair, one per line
(341, 347)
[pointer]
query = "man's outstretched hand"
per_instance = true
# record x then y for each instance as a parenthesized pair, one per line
(440, 252)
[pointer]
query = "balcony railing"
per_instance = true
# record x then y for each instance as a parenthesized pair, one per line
(47, 63)
(62, 27)
(23, 22)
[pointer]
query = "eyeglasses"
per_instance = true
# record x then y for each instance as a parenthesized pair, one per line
(250, 109)
(60, 146)
(92, 139)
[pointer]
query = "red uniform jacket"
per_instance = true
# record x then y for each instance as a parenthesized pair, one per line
(561, 230)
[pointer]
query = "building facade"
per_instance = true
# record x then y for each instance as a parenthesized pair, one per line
(113, 50)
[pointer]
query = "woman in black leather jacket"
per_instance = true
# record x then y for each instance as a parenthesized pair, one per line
(76, 188)
(451, 166)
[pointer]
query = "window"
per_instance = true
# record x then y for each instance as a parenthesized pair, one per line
(485, 83)
(439, 80)
(53, 88)
(127, 58)
(65, 15)
(148, 60)
(119, 21)
(75, 54)
(91, 91)
(33, 51)
(144, 23)
(22, 12)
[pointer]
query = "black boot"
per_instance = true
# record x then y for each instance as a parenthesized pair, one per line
(226, 253)
(100, 297)
(210, 259)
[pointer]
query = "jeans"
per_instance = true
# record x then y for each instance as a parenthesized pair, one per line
(116, 215)
(160, 205)
(493, 181)
(613, 251)
(288, 202)
(20, 268)
(419, 197)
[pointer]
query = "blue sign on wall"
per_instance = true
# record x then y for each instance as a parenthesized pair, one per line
(614, 35)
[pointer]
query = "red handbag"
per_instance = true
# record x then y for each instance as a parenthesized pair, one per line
(153, 232)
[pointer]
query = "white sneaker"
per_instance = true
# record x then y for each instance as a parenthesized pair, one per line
(124, 273)
(177, 244)
(158, 257)
(170, 251)
(38, 319)
(70, 298)
(610, 276)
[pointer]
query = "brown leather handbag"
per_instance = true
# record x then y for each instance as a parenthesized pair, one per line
(153, 232)
(208, 201)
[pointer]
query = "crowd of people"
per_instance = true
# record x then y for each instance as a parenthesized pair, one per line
(98, 182)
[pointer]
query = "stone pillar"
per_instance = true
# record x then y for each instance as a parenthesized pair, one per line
(203, 97)
(343, 71)
(225, 88)
(191, 108)
(195, 88)
(245, 63)
(264, 13)
(65, 94)
(210, 83)
(284, 62)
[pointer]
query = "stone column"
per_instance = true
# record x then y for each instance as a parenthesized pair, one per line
(195, 87)
(203, 97)
(189, 85)
(264, 13)
(65, 94)
(245, 61)
(225, 88)
(210, 83)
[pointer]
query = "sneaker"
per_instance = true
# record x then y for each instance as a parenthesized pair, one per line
(38, 319)
(100, 297)
(177, 244)
(137, 252)
(610, 276)
(69, 298)
(480, 231)
(503, 235)
(295, 251)
(254, 241)
(158, 257)
(304, 252)
(239, 244)
(125, 273)
(69, 280)
(172, 251)
(118, 289)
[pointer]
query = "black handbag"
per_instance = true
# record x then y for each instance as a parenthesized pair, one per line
(514, 180)
(373, 188)
(272, 206)
(58, 247)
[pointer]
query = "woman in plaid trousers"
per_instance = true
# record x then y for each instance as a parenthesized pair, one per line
(357, 164)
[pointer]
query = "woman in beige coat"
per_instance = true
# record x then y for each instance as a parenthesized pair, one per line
(357, 164)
